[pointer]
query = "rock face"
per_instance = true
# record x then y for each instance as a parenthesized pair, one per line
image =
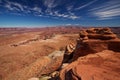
(96, 57)
(98, 33)
(70, 48)
(95, 40)
(69, 52)
(104, 65)
(44, 65)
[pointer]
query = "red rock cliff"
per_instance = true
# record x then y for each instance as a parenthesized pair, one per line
(95, 40)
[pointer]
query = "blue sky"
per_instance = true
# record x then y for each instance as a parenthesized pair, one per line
(40, 13)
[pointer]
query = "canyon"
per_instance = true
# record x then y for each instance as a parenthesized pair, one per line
(60, 53)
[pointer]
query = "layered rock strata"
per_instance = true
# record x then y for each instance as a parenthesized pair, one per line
(96, 40)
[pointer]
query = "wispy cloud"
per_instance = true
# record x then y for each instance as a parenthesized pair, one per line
(85, 5)
(108, 10)
(14, 6)
(9, 7)
(70, 6)
(60, 15)
(74, 17)
(17, 7)
(68, 16)
(50, 3)
(36, 9)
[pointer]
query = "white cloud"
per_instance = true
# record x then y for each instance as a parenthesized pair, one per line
(14, 6)
(68, 16)
(50, 3)
(9, 7)
(83, 6)
(108, 13)
(48, 11)
(59, 14)
(73, 17)
(36, 9)
(108, 10)
(18, 5)
(107, 6)
(27, 10)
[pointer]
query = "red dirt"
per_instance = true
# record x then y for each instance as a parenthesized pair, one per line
(15, 58)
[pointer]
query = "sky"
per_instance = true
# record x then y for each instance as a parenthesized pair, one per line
(44, 13)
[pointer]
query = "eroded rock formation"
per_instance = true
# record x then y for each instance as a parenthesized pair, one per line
(69, 52)
(70, 48)
(95, 40)
(96, 56)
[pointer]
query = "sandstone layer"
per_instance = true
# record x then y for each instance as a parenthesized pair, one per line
(95, 40)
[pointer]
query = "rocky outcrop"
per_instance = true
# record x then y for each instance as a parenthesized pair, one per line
(69, 52)
(95, 40)
(70, 48)
(100, 66)
(98, 33)
(96, 56)
(42, 66)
